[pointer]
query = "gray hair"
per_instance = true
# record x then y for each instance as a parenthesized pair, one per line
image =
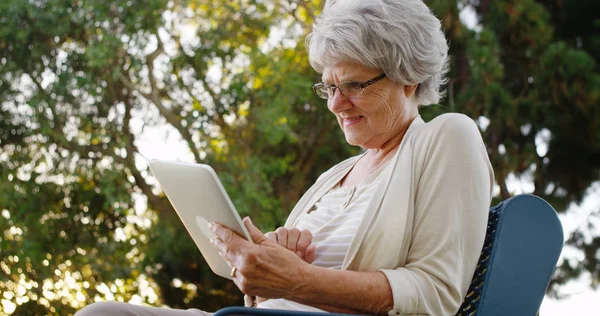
(402, 37)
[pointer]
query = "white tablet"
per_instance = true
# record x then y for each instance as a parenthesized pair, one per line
(199, 198)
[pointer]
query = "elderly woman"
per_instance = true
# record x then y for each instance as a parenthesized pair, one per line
(397, 229)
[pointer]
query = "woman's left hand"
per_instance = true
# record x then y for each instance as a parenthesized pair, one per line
(263, 268)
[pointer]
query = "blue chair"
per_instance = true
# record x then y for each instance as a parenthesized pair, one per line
(523, 242)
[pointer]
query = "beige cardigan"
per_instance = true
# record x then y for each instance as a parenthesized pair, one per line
(424, 227)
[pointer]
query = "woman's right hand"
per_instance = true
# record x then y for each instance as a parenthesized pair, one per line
(295, 240)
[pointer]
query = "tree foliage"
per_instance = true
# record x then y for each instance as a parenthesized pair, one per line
(80, 81)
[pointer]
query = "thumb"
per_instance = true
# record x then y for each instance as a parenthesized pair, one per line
(257, 236)
(310, 253)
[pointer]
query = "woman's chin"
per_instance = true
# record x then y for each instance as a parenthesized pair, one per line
(354, 140)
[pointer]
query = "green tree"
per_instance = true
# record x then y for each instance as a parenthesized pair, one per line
(531, 70)
(80, 80)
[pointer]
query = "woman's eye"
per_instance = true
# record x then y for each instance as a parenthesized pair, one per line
(352, 85)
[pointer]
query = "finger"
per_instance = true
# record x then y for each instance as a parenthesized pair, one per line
(223, 233)
(310, 253)
(249, 301)
(257, 236)
(227, 242)
(224, 251)
(282, 236)
(271, 236)
(238, 283)
(304, 240)
(293, 236)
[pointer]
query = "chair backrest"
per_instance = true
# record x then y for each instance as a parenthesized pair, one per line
(523, 242)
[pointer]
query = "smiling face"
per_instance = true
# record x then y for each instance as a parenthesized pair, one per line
(369, 120)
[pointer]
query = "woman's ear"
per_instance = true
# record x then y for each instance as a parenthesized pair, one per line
(409, 90)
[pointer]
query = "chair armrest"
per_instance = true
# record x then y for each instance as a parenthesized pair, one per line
(245, 311)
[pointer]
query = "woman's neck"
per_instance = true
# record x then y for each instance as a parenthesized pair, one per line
(379, 156)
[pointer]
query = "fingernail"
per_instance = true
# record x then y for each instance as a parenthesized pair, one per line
(211, 226)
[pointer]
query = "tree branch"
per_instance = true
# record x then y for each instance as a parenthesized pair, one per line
(155, 98)
(218, 118)
(155, 201)
(150, 64)
(171, 118)
(501, 168)
(59, 138)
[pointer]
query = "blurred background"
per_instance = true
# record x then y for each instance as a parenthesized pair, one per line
(91, 89)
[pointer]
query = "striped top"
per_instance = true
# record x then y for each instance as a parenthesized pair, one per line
(333, 222)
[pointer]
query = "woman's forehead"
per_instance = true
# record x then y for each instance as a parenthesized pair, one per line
(345, 69)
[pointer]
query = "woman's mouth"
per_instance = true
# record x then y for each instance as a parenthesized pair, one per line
(352, 120)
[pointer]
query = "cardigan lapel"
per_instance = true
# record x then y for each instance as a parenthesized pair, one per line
(385, 208)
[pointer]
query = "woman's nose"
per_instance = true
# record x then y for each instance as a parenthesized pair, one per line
(338, 103)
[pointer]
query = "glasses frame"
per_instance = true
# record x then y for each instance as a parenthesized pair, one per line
(335, 87)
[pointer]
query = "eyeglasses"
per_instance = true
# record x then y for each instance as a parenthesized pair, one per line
(348, 89)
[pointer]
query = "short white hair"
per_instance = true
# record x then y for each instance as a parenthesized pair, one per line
(401, 37)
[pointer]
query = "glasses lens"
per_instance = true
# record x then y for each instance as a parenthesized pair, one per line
(351, 89)
(322, 91)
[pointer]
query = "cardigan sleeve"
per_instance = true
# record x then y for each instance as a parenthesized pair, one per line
(454, 183)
